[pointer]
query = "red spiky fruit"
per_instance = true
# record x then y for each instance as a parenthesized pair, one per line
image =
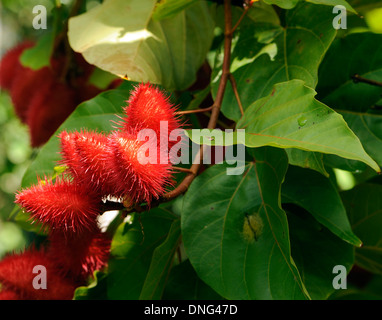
(79, 256)
(69, 154)
(61, 205)
(48, 108)
(8, 294)
(28, 85)
(134, 178)
(16, 275)
(42, 98)
(86, 154)
(147, 107)
(9, 64)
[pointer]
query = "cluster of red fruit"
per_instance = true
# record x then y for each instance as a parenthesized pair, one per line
(98, 166)
(43, 98)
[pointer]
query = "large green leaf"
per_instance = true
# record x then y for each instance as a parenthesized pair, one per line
(160, 265)
(39, 55)
(364, 206)
(316, 252)
(184, 284)
(96, 290)
(218, 227)
(121, 37)
(300, 47)
(333, 3)
(168, 8)
(291, 117)
(289, 4)
(306, 159)
(321, 199)
(285, 4)
(345, 58)
(134, 256)
(363, 6)
(355, 101)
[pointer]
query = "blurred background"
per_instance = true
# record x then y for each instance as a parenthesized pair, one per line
(15, 151)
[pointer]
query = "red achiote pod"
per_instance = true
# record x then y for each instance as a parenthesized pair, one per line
(86, 154)
(147, 108)
(78, 256)
(135, 169)
(61, 205)
(17, 276)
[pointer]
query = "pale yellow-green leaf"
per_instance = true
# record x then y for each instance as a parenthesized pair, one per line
(121, 37)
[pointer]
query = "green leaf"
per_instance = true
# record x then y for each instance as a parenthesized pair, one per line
(301, 46)
(363, 6)
(336, 87)
(134, 255)
(184, 284)
(367, 127)
(333, 3)
(285, 4)
(166, 9)
(218, 224)
(308, 160)
(96, 290)
(121, 37)
(316, 251)
(364, 207)
(319, 197)
(355, 101)
(39, 55)
(160, 264)
(290, 117)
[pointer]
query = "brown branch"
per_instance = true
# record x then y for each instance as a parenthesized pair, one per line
(215, 108)
(357, 78)
(62, 39)
(182, 169)
(234, 88)
(242, 16)
(194, 111)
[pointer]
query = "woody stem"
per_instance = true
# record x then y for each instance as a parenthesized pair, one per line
(357, 78)
(215, 108)
(194, 111)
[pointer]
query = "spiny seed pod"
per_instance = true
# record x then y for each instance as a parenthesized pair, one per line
(62, 205)
(9, 64)
(79, 256)
(69, 154)
(17, 276)
(147, 108)
(8, 294)
(48, 108)
(41, 99)
(135, 168)
(86, 154)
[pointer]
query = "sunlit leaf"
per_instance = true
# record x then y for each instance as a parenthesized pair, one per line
(167, 52)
